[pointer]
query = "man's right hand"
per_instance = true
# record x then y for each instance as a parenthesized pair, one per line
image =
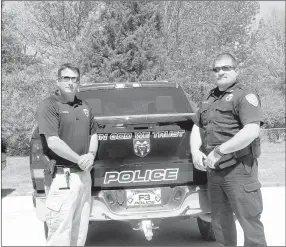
(198, 160)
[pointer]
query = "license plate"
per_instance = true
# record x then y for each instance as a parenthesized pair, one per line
(143, 197)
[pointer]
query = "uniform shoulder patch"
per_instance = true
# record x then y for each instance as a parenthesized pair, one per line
(86, 112)
(252, 99)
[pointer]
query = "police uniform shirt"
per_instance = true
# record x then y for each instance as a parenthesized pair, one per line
(72, 122)
(223, 114)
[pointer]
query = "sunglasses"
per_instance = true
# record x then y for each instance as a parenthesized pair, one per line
(224, 68)
(67, 79)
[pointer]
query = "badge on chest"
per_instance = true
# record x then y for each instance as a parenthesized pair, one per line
(229, 97)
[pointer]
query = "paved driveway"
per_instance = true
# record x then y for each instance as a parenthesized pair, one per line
(20, 226)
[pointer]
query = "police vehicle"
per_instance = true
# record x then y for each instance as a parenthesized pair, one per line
(143, 171)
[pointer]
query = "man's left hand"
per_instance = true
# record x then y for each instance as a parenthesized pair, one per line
(86, 161)
(212, 159)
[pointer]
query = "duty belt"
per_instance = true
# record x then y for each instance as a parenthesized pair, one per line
(61, 169)
(232, 158)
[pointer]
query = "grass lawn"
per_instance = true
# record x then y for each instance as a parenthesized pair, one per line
(272, 164)
(16, 178)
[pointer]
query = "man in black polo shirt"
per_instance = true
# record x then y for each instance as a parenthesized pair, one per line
(225, 143)
(68, 132)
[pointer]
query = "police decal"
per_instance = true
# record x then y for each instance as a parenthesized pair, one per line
(252, 99)
(141, 147)
(137, 176)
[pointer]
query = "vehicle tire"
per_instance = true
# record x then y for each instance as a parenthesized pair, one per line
(206, 230)
(46, 229)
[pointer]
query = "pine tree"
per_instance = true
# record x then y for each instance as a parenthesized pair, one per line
(126, 45)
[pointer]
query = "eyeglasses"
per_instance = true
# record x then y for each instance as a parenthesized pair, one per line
(67, 79)
(224, 68)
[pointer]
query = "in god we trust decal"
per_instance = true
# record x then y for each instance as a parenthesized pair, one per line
(141, 140)
(141, 135)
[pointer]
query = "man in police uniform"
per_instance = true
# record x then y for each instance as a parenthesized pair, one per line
(69, 137)
(225, 143)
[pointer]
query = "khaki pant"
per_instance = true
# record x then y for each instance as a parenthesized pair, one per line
(68, 210)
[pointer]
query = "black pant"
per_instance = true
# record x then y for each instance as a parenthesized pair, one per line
(236, 189)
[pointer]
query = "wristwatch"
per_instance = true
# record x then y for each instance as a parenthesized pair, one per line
(92, 152)
(217, 151)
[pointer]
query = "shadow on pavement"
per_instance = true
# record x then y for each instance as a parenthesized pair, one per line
(179, 233)
(6, 192)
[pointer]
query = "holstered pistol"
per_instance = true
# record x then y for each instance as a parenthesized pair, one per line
(49, 170)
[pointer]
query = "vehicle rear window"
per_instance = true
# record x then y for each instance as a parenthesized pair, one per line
(136, 101)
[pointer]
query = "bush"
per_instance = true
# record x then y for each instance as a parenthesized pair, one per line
(22, 92)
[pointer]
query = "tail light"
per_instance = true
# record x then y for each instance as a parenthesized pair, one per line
(36, 150)
(37, 164)
(178, 195)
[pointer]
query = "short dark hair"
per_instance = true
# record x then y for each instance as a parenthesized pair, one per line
(67, 66)
(226, 55)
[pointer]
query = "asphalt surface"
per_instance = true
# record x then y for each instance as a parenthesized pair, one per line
(20, 227)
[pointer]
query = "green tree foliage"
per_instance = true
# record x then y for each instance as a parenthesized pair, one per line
(125, 45)
(265, 70)
(197, 31)
(270, 48)
(52, 28)
(21, 84)
(22, 92)
(13, 51)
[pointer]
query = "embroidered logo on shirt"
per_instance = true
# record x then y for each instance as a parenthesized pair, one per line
(64, 112)
(252, 99)
(229, 97)
(86, 112)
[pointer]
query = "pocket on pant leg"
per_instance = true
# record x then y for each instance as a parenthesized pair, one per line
(57, 197)
(54, 203)
(253, 199)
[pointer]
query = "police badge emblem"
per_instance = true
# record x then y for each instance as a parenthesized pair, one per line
(141, 147)
(252, 99)
(229, 97)
(86, 112)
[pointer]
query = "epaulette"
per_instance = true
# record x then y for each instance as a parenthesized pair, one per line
(246, 90)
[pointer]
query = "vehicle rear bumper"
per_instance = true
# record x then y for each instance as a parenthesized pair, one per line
(194, 203)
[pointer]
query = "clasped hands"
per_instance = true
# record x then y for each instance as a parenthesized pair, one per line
(201, 161)
(86, 161)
